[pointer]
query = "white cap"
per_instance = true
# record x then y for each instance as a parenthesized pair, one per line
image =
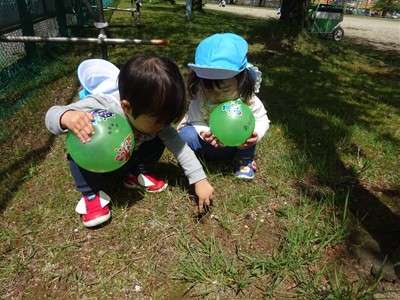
(98, 76)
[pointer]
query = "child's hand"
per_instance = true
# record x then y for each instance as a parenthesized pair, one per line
(79, 122)
(251, 141)
(205, 193)
(211, 139)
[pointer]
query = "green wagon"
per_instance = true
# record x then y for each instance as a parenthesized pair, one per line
(325, 20)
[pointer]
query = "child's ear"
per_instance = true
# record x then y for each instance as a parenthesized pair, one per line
(126, 107)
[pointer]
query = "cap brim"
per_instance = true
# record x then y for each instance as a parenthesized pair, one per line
(213, 73)
(98, 76)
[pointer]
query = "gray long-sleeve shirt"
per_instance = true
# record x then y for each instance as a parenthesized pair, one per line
(169, 136)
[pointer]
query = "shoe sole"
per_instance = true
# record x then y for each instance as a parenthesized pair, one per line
(139, 187)
(97, 221)
(244, 177)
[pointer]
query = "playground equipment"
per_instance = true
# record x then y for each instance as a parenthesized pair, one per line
(30, 32)
(325, 20)
(104, 38)
(134, 10)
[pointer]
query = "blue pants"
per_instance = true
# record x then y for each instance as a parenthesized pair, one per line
(143, 160)
(202, 148)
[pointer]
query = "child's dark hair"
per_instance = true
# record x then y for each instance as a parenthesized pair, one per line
(153, 86)
(244, 78)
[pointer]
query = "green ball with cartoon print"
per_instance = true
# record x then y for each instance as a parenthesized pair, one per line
(110, 146)
(232, 123)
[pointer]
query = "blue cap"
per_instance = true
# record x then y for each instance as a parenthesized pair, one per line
(220, 56)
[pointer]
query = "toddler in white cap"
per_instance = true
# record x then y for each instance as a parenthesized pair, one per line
(97, 76)
(150, 96)
(222, 73)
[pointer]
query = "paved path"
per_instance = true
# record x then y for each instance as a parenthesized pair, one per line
(381, 33)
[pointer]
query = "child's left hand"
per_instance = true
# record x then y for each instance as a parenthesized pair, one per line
(251, 141)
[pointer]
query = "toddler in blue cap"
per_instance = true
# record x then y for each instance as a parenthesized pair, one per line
(221, 73)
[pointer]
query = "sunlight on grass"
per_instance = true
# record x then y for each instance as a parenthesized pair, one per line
(209, 266)
(328, 163)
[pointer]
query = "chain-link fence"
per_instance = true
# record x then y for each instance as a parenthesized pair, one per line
(25, 66)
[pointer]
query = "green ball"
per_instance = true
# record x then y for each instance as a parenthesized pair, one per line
(232, 123)
(108, 149)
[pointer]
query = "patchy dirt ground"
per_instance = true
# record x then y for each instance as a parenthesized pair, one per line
(72, 262)
(381, 33)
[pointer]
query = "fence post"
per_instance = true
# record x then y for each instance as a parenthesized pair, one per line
(104, 49)
(26, 26)
(61, 18)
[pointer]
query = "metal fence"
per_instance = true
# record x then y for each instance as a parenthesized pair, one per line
(22, 64)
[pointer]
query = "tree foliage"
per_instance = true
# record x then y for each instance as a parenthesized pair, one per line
(387, 6)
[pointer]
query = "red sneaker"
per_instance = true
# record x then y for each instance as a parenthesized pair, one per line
(94, 209)
(147, 182)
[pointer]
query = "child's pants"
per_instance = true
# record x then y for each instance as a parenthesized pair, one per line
(143, 160)
(200, 147)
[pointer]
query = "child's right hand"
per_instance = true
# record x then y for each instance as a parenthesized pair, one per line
(80, 122)
(211, 139)
(205, 193)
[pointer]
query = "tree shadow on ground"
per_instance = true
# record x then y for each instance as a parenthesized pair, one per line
(15, 174)
(317, 116)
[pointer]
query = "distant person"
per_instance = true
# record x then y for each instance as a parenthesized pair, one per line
(151, 95)
(220, 73)
(137, 10)
(222, 3)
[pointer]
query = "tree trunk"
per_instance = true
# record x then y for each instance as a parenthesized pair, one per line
(199, 5)
(294, 13)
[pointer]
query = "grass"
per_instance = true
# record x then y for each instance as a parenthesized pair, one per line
(328, 168)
